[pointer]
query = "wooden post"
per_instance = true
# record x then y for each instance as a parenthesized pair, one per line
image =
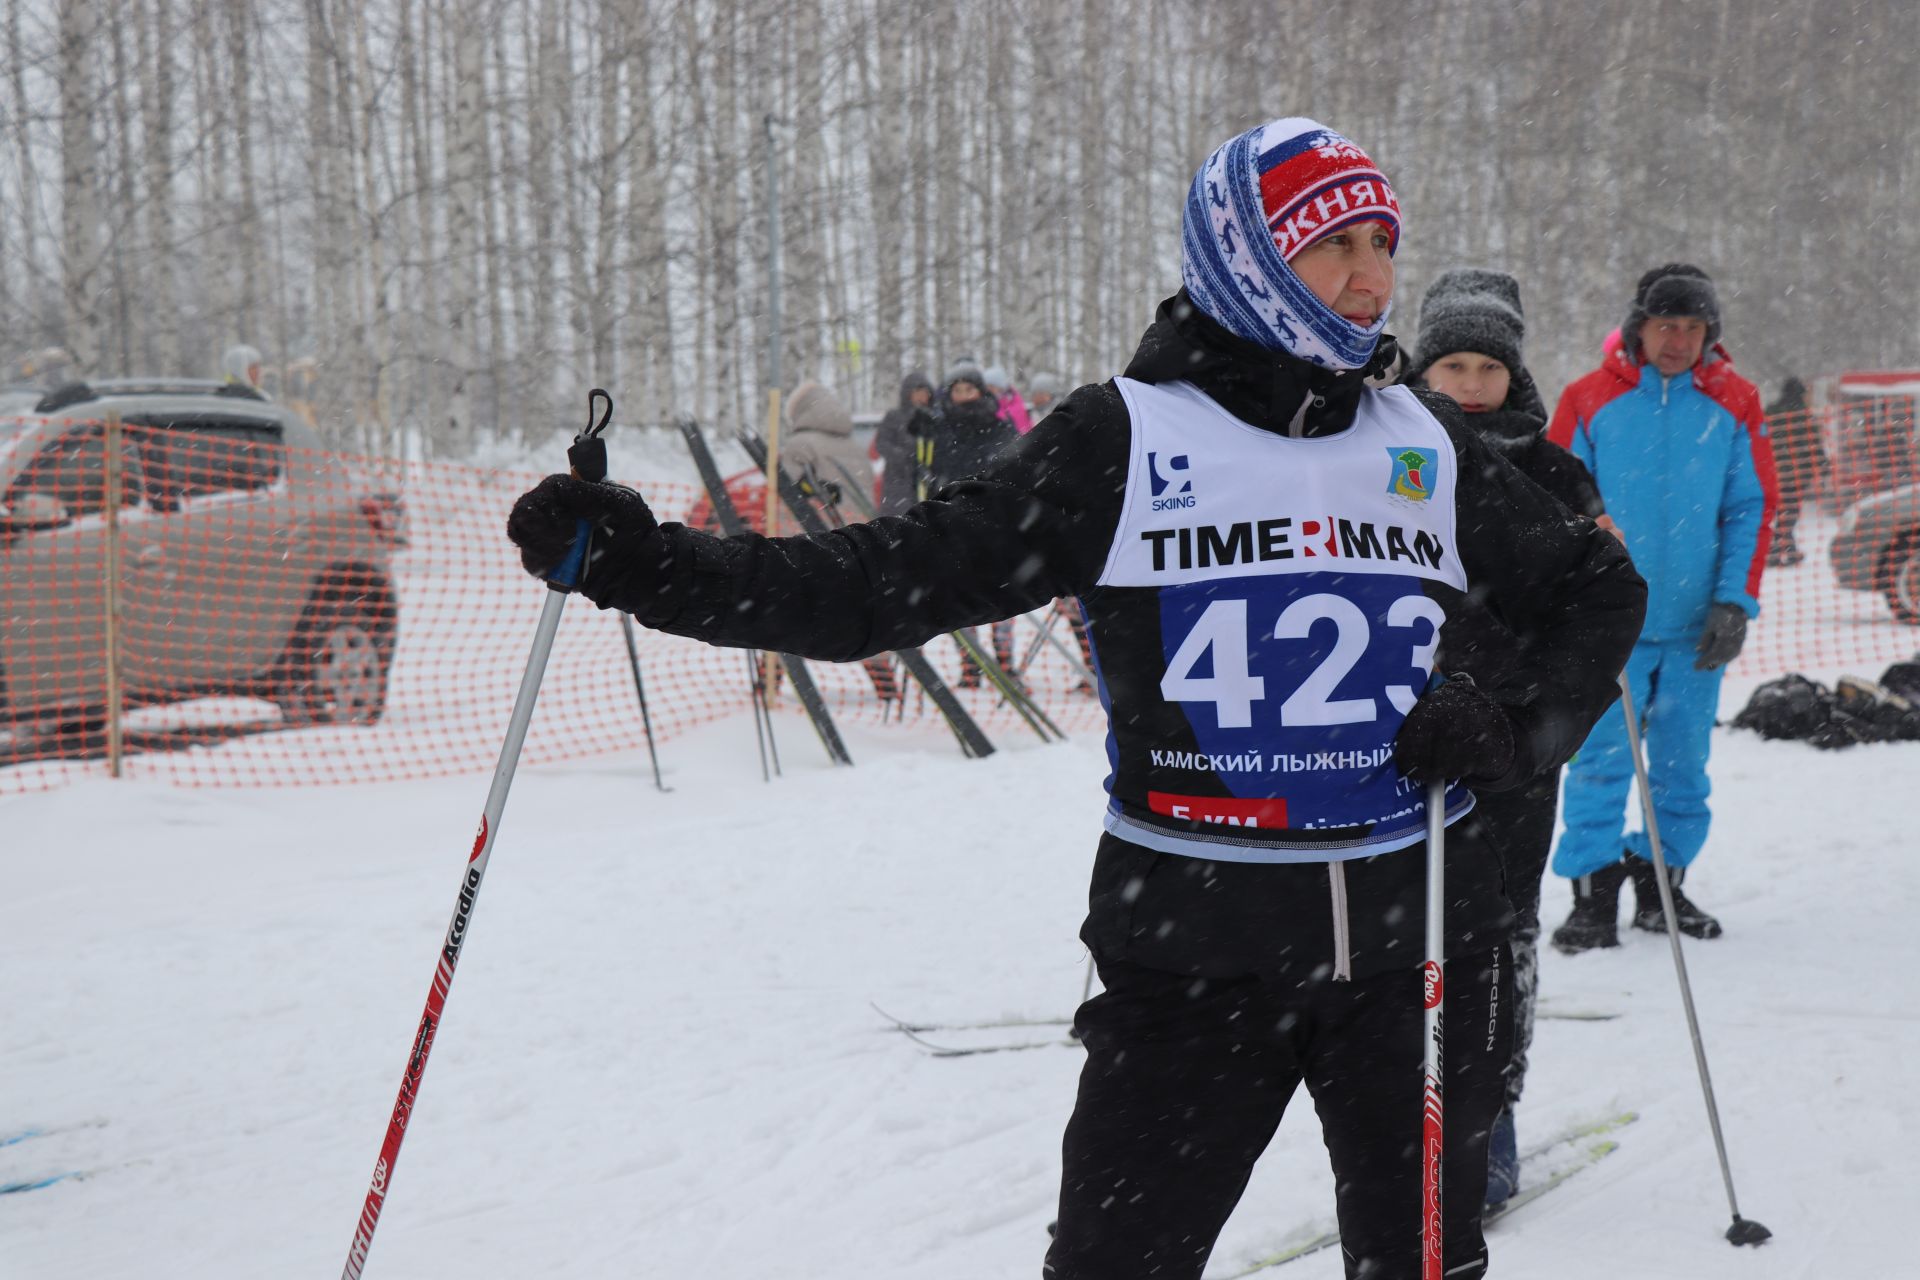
(111, 509)
(770, 663)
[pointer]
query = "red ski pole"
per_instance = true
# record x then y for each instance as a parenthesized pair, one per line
(587, 447)
(1433, 984)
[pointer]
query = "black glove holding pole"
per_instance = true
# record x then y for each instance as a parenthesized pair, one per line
(547, 517)
(1455, 731)
(547, 520)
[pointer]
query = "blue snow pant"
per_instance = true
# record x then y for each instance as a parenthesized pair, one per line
(1677, 705)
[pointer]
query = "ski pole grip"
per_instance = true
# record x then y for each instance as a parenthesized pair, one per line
(587, 455)
(567, 576)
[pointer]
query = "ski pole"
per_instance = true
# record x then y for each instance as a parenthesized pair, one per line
(1743, 1230)
(1039, 641)
(559, 584)
(1433, 999)
(639, 688)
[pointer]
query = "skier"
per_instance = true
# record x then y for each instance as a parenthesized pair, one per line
(967, 432)
(241, 365)
(1469, 349)
(1043, 394)
(1801, 464)
(1678, 445)
(1271, 556)
(1008, 402)
(820, 438)
(820, 446)
(895, 440)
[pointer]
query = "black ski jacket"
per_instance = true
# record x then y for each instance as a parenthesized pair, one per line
(1552, 611)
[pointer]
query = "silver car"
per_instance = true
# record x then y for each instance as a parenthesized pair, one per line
(1878, 549)
(250, 561)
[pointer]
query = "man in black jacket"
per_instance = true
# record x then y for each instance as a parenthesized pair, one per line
(896, 439)
(1273, 558)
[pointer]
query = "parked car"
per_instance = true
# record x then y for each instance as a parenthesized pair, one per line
(1878, 549)
(250, 562)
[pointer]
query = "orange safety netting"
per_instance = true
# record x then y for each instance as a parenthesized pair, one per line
(284, 616)
(287, 616)
(1841, 591)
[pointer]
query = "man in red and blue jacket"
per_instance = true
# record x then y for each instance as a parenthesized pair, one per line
(1677, 443)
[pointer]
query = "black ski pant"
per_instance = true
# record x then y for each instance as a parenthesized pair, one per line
(1519, 825)
(1187, 1078)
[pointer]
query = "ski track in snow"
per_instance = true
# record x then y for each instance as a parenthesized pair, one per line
(658, 1057)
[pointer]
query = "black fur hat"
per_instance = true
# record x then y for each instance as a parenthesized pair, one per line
(1677, 289)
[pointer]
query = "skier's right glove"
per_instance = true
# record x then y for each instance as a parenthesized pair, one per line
(547, 517)
(1455, 732)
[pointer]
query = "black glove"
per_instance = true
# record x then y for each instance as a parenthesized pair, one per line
(547, 517)
(1722, 638)
(1455, 732)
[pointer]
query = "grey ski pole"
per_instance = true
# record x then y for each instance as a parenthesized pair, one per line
(640, 688)
(586, 449)
(1743, 1230)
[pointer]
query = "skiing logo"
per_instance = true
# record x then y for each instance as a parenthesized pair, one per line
(1413, 471)
(1166, 472)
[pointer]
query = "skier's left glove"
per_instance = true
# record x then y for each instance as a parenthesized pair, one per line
(547, 517)
(1456, 731)
(1722, 638)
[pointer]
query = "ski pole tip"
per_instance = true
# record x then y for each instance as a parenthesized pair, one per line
(1747, 1231)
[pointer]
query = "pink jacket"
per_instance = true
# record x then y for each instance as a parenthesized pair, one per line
(1013, 409)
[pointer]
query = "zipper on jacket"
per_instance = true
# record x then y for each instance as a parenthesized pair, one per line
(1342, 931)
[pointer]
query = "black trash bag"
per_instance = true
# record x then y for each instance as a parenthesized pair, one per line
(1874, 712)
(1790, 707)
(1903, 678)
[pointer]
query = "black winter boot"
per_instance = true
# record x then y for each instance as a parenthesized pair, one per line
(1596, 912)
(1647, 914)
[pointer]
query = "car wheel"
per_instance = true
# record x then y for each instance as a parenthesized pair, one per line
(1903, 580)
(337, 662)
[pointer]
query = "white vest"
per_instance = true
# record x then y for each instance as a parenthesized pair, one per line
(1292, 576)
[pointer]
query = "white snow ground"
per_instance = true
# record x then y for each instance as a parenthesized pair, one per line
(659, 1060)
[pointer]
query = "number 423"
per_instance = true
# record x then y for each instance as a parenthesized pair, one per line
(1232, 689)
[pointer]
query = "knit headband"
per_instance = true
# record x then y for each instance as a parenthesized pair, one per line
(1292, 182)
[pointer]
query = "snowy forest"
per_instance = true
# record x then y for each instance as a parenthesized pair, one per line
(454, 215)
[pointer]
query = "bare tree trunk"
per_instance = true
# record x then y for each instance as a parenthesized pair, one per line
(123, 211)
(548, 82)
(465, 190)
(376, 318)
(513, 173)
(79, 176)
(248, 266)
(23, 139)
(578, 297)
(604, 174)
(649, 360)
(492, 275)
(154, 26)
(1092, 162)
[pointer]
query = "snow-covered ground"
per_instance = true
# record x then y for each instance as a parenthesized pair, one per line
(659, 1058)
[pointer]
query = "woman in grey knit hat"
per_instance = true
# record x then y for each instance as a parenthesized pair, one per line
(1471, 329)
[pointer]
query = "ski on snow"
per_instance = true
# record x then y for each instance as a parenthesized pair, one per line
(1577, 1148)
(912, 1030)
(15, 1186)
